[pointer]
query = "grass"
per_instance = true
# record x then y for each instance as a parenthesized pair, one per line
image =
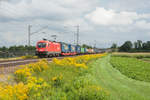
(146, 59)
(133, 55)
(76, 84)
(132, 67)
(119, 86)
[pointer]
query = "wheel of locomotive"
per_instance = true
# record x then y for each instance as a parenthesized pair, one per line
(49, 56)
(57, 55)
(46, 56)
(39, 56)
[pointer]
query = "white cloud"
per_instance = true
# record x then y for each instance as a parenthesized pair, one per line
(44, 8)
(37, 8)
(103, 16)
(14, 11)
(143, 25)
(126, 5)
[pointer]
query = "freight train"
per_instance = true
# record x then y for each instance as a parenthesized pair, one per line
(46, 48)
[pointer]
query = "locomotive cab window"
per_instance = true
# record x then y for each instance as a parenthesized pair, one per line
(41, 45)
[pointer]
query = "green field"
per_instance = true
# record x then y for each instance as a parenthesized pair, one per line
(146, 59)
(120, 86)
(132, 67)
(133, 55)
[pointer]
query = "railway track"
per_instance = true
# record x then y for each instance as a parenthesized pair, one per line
(9, 66)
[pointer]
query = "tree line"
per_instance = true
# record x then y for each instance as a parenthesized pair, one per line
(16, 48)
(14, 51)
(137, 46)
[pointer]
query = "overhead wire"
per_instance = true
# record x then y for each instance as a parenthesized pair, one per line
(12, 13)
(9, 10)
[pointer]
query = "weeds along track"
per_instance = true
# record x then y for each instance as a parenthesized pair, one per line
(9, 66)
(7, 63)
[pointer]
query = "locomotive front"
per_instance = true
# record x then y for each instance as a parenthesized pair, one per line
(41, 49)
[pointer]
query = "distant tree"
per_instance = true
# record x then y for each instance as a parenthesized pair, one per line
(4, 49)
(114, 47)
(12, 48)
(21, 48)
(139, 44)
(86, 46)
(135, 45)
(148, 45)
(18, 50)
(126, 47)
(144, 46)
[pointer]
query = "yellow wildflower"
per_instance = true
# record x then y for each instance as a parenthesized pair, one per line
(54, 78)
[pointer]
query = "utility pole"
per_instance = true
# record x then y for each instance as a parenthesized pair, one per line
(74, 38)
(78, 28)
(76, 34)
(95, 43)
(29, 34)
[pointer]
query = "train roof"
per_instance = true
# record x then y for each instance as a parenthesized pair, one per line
(47, 41)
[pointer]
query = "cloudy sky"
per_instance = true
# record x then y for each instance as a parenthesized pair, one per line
(101, 21)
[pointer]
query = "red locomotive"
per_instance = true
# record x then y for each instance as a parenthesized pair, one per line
(46, 48)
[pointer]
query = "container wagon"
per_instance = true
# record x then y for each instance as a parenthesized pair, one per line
(78, 49)
(72, 49)
(90, 51)
(83, 50)
(65, 49)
